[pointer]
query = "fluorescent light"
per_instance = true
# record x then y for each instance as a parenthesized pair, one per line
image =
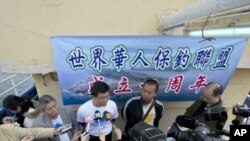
(232, 31)
(243, 31)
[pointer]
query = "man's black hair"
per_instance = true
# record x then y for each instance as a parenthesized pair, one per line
(11, 102)
(99, 87)
(152, 82)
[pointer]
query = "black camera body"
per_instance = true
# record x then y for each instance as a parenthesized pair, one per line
(200, 133)
(146, 132)
(243, 111)
(218, 114)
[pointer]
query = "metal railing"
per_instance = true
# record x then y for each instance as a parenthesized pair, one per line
(14, 84)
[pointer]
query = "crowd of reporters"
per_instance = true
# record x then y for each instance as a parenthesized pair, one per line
(203, 120)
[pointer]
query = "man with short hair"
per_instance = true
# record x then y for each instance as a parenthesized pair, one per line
(136, 108)
(211, 97)
(95, 109)
(56, 116)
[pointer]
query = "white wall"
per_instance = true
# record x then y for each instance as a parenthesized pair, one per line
(27, 25)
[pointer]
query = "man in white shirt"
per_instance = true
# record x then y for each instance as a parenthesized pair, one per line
(96, 107)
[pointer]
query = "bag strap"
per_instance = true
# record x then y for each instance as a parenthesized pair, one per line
(148, 111)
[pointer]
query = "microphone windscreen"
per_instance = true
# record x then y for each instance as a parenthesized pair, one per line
(186, 121)
(98, 115)
(88, 120)
(107, 115)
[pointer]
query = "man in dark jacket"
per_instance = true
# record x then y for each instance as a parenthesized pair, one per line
(211, 98)
(135, 108)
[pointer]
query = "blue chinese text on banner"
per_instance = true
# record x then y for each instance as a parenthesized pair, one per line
(181, 65)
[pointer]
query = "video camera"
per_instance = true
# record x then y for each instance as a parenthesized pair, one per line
(242, 110)
(146, 132)
(186, 128)
(216, 114)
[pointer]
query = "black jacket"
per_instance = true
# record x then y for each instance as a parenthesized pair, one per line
(132, 112)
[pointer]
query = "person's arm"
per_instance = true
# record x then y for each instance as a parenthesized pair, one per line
(42, 132)
(82, 124)
(85, 136)
(192, 108)
(116, 113)
(125, 111)
(188, 111)
(27, 138)
(76, 136)
(80, 118)
(122, 110)
(20, 132)
(102, 137)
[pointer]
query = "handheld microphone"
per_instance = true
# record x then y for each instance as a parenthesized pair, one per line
(186, 121)
(98, 116)
(108, 116)
(88, 120)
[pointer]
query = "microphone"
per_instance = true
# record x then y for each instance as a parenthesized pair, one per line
(98, 116)
(108, 116)
(88, 120)
(186, 121)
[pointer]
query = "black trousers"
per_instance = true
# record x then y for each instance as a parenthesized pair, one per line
(107, 137)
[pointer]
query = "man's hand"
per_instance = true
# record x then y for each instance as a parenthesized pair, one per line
(76, 136)
(27, 138)
(118, 134)
(84, 136)
(102, 137)
(7, 120)
(57, 131)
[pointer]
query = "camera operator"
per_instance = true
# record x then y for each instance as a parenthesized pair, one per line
(211, 98)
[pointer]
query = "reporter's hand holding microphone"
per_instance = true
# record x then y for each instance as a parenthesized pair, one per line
(79, 135)
(118, 135)
(84, 134)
